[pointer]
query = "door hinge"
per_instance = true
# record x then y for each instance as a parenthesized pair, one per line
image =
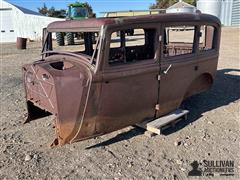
(157, 107)
(158, 77)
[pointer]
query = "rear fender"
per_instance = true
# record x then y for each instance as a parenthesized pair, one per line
(199, 84)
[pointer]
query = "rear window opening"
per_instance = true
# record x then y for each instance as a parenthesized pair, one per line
(206, 41)
(60, 65)
(178, 40)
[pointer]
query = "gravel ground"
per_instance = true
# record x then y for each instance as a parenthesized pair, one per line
(211, 131)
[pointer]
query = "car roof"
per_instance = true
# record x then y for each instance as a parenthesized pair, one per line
(96, 23)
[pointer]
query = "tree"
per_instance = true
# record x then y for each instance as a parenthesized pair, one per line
(90, 10)
(52, 12)
(164, 4)
(192, 2)
(43, 10)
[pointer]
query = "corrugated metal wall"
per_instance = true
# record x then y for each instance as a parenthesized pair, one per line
(236, 13)
(30, 26)
(228, 11)
(14, 23)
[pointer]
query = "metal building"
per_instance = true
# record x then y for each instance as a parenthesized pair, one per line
(228, 11)
(181, 7)
(132, 13)
(235, 13)
(17, 21)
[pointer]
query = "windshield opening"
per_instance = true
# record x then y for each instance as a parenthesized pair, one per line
(79, 12)
(80, 43)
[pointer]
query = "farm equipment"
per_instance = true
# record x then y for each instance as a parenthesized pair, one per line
(76, 11)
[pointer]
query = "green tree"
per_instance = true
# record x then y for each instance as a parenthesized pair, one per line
(52, 12)
(192, 2)
(90, 10)
(164, 4)
(43, 10)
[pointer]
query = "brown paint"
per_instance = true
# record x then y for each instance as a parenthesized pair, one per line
(89, 100)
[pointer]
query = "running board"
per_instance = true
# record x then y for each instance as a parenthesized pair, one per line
(156, 126)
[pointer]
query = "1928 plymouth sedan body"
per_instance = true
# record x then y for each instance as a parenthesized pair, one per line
(119, 81)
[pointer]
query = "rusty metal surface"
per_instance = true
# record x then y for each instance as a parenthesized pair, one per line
(89, 100)
(21, 43)
(74, 25)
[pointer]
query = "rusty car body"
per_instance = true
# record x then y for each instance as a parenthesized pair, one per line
(107, 87)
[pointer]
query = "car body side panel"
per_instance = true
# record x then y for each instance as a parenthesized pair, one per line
(88, 124)
(177, 84)
(173, 85)
(71, 93)
(205, 75)
(127, 97)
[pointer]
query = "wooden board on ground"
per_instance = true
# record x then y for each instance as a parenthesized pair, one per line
(158, 125)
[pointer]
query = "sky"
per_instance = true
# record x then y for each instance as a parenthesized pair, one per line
(97, 5)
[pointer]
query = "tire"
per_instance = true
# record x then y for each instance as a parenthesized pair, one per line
(70, 38)
(93, 38)
(60, 38)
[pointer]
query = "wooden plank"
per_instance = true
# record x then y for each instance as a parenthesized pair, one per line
(167, 118)
(157, 125)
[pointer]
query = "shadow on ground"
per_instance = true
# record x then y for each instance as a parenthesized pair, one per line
(120, 137)
(225, 90)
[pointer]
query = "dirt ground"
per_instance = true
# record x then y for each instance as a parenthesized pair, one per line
(211, 131)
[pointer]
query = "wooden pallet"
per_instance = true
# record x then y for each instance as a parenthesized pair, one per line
(156, 126)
